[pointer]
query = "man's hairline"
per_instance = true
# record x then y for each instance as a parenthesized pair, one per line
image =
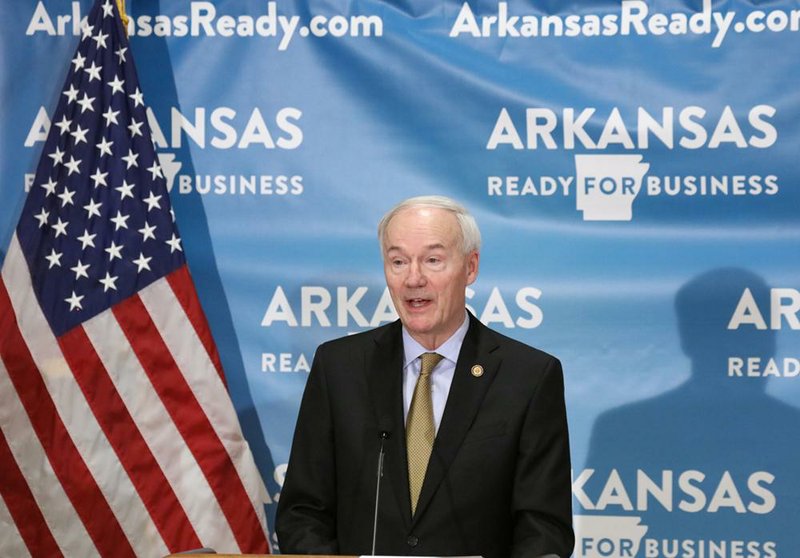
(400, 208)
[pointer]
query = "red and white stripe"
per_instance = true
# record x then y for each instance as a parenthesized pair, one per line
(119, 438)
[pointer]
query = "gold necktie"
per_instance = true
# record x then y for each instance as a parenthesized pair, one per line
(420, 430)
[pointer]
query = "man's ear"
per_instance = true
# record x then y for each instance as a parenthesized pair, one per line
(473, 263)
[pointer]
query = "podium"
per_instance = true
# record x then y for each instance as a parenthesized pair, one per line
(205, 555)
(214, 555)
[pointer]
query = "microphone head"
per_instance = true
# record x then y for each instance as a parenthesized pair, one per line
(385, 428)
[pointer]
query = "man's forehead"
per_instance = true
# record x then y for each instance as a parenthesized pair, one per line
(422, 227)
(430, 220)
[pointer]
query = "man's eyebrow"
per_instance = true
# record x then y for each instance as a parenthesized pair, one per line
(436, 246)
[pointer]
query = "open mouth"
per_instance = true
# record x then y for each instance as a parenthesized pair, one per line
(417, 302)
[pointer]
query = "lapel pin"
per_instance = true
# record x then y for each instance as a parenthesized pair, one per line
(477, 370)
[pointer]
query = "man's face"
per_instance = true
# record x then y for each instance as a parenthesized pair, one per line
(427, 273)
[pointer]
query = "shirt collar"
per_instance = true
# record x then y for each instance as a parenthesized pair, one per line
(449, 349)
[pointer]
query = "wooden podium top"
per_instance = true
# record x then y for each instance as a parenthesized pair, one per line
(202, 555)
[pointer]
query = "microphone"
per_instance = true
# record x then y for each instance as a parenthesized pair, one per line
(384, 433)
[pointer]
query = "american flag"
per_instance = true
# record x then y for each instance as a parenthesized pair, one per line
(118, 437)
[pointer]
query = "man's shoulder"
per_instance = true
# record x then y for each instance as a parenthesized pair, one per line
(511, 346)
(359, 340)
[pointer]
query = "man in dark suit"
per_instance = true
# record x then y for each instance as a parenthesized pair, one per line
(475, 439)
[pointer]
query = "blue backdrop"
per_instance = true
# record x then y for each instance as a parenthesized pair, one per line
(633, 166)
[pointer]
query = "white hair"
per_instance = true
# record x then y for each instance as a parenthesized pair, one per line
(470, 234)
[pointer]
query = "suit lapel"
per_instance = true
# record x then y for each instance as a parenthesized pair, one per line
(385, 377)
(466, 394)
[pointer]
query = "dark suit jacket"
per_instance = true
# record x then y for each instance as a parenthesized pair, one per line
(498, 482)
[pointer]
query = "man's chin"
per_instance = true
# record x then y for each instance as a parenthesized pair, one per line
(417, 325)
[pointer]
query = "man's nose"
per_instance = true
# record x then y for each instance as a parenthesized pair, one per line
(415, 277)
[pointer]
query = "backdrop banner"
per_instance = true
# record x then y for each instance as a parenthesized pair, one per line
(632, 165)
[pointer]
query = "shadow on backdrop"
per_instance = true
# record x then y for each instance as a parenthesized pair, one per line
(711, 462)
(153, 55)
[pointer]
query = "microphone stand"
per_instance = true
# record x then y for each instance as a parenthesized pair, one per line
(384, 435)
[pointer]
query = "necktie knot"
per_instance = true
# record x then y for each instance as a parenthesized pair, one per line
(429, 362)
